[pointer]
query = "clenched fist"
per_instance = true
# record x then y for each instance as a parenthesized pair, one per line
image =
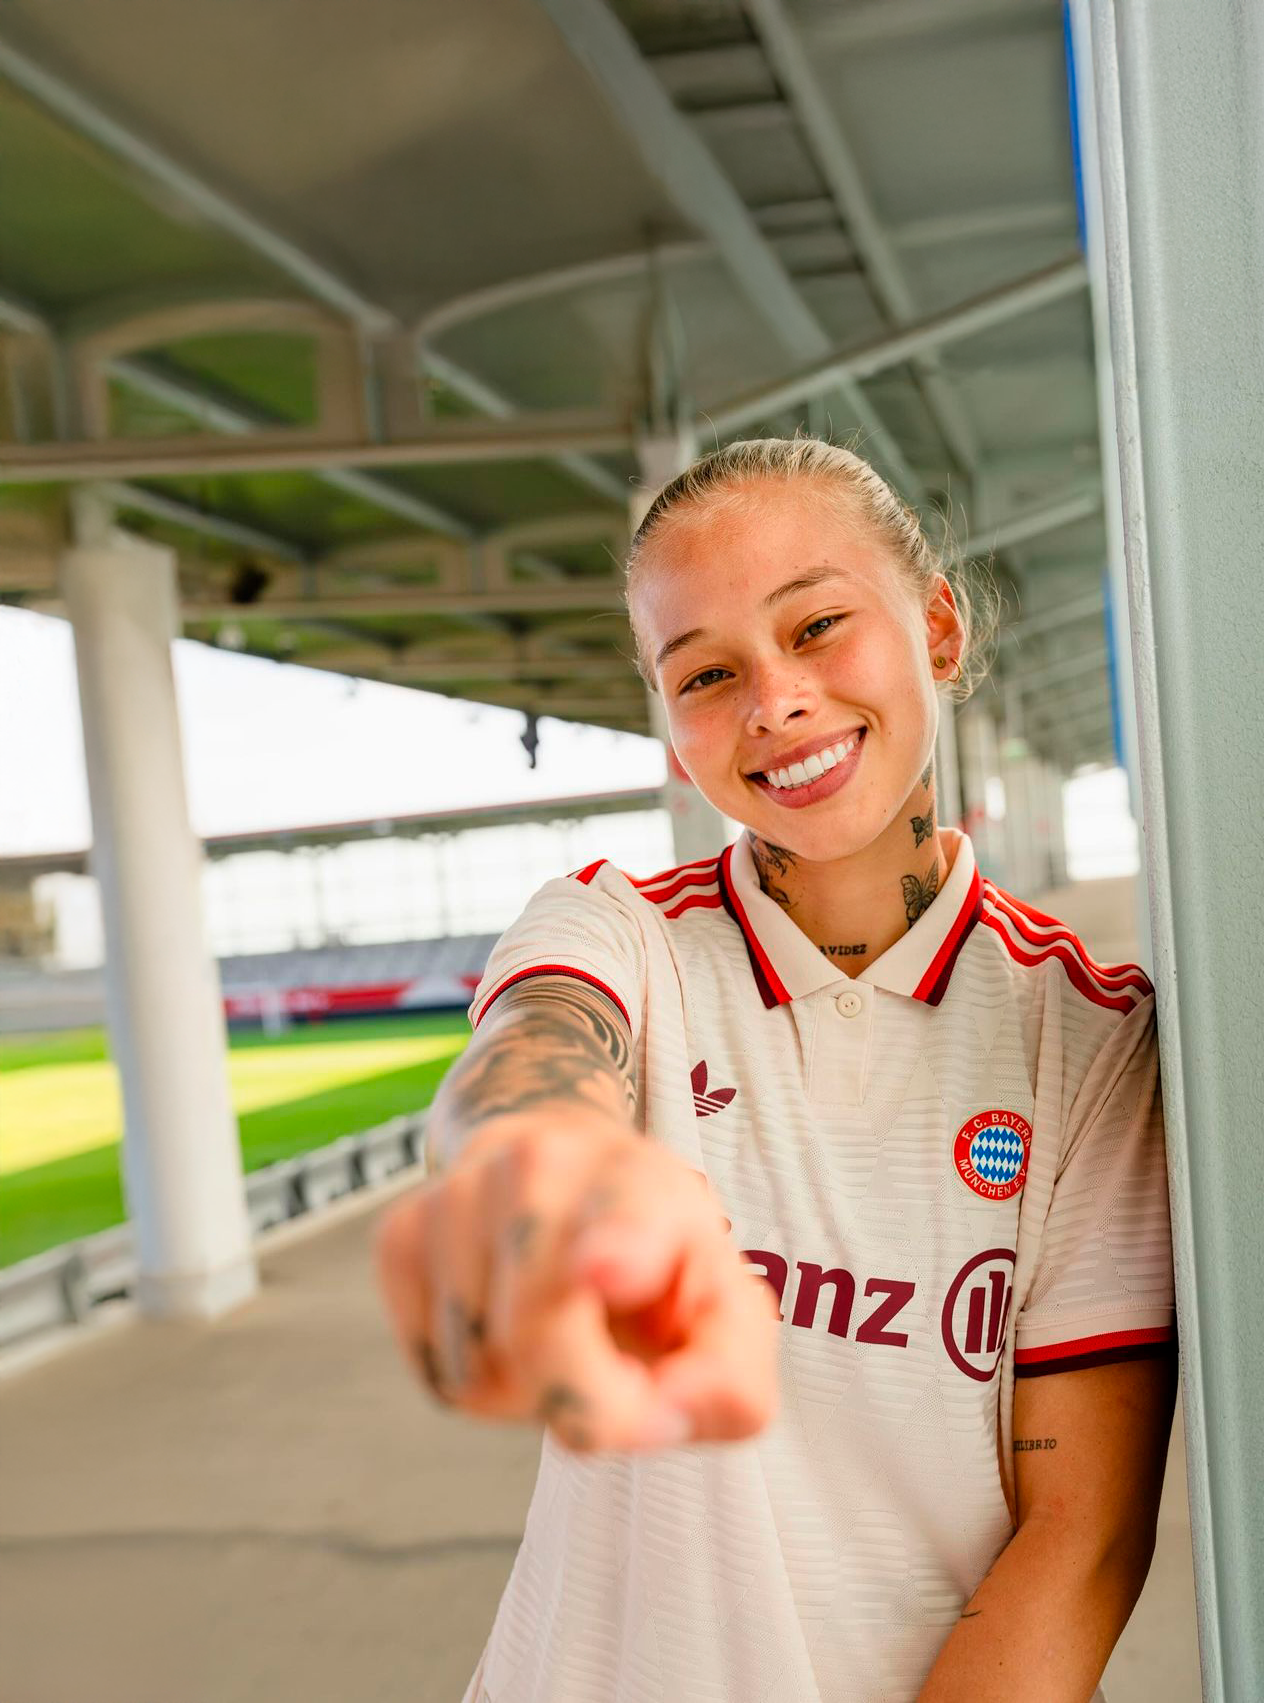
(568, 1270)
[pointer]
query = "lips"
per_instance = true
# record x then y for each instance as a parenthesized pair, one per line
(824, 786)
(801, 753)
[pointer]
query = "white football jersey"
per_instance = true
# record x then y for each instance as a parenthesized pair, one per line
(951, 1170)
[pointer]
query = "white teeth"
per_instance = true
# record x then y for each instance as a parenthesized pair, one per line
(798, 774)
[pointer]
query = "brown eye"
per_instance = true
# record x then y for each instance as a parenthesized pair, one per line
(697, 678)
(826, 619)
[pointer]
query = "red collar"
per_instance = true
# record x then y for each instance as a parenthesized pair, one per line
(786, 964)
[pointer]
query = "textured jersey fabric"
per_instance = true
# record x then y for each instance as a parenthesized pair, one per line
(951, 1169)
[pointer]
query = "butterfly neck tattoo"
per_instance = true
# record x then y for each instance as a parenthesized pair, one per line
(773, 863)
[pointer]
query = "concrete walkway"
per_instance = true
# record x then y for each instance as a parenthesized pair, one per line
(262, 1510)
(267, 1510)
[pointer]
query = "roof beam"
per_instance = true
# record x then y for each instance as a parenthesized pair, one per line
(238, 420)
(678, 158)
(548, 434)
(161, 507)
(1095, 661)
(771, 113)
(315, 275)
(1049, 515)
(837, 164)
(557, 281)
(578, 705)
(548, 597)
(431, 669)
(873, 23)
(495, 403)
(457, 443)
(1082, 728)
(987, 224)
(874, 355)
(86, 117)
(1090, 607)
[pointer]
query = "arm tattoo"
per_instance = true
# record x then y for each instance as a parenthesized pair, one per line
(772, 863)
(1023, 1443)
(552, 1038)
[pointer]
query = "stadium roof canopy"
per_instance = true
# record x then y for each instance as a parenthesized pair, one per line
(28, 866)
(367, 308)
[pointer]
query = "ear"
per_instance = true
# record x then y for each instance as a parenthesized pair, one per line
(944, 633)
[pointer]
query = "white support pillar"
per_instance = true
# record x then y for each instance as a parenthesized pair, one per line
(181, 1158)
(948, 806)
(1180, 124)
(1019, 827)
(698, 828)
(1118, 616)
(1054, 817)
(981, 771)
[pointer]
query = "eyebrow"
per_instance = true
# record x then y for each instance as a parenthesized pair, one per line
(778, 595)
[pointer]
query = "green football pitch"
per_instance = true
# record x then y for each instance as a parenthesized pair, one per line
(61, 1116)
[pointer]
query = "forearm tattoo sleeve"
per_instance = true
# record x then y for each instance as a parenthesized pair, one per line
(547, 1038)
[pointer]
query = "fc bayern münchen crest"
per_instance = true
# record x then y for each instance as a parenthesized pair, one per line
(990, 1153)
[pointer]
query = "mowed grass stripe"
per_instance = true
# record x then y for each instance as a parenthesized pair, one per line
(77, 1194)
(54, 1111)
(84, 1046)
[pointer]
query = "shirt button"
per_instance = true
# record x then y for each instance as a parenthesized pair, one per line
(850, 1003)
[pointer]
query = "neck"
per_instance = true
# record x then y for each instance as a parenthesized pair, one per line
(854, 908)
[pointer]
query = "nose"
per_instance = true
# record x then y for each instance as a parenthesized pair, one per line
(780, 689)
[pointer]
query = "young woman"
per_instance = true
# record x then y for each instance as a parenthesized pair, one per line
(880, 1413)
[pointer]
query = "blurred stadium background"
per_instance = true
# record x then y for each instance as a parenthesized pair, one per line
(364, 331)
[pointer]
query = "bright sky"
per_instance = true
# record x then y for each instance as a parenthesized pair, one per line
(267, 745)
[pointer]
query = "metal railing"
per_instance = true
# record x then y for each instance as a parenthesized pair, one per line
(62, 1286)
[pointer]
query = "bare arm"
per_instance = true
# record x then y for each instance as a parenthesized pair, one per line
(1042, 1624)
(546, 1039)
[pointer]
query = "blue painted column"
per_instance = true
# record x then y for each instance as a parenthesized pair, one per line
(1117, 622)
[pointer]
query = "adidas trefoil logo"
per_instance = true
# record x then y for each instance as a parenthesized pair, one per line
(705, 1103)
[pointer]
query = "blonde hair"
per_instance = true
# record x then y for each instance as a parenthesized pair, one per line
(726, 476)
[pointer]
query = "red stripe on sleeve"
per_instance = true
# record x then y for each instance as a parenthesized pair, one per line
(552, 970)
(1105, 1343)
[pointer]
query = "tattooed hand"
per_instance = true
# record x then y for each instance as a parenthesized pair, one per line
(563, 1269)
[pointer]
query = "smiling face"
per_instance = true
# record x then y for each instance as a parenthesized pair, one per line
(800, 632)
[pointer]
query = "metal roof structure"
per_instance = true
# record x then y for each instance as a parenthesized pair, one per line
(366, 309)
(23, 868)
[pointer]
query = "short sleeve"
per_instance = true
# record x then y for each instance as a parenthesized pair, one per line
(1103, 1287)
(578, 925)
